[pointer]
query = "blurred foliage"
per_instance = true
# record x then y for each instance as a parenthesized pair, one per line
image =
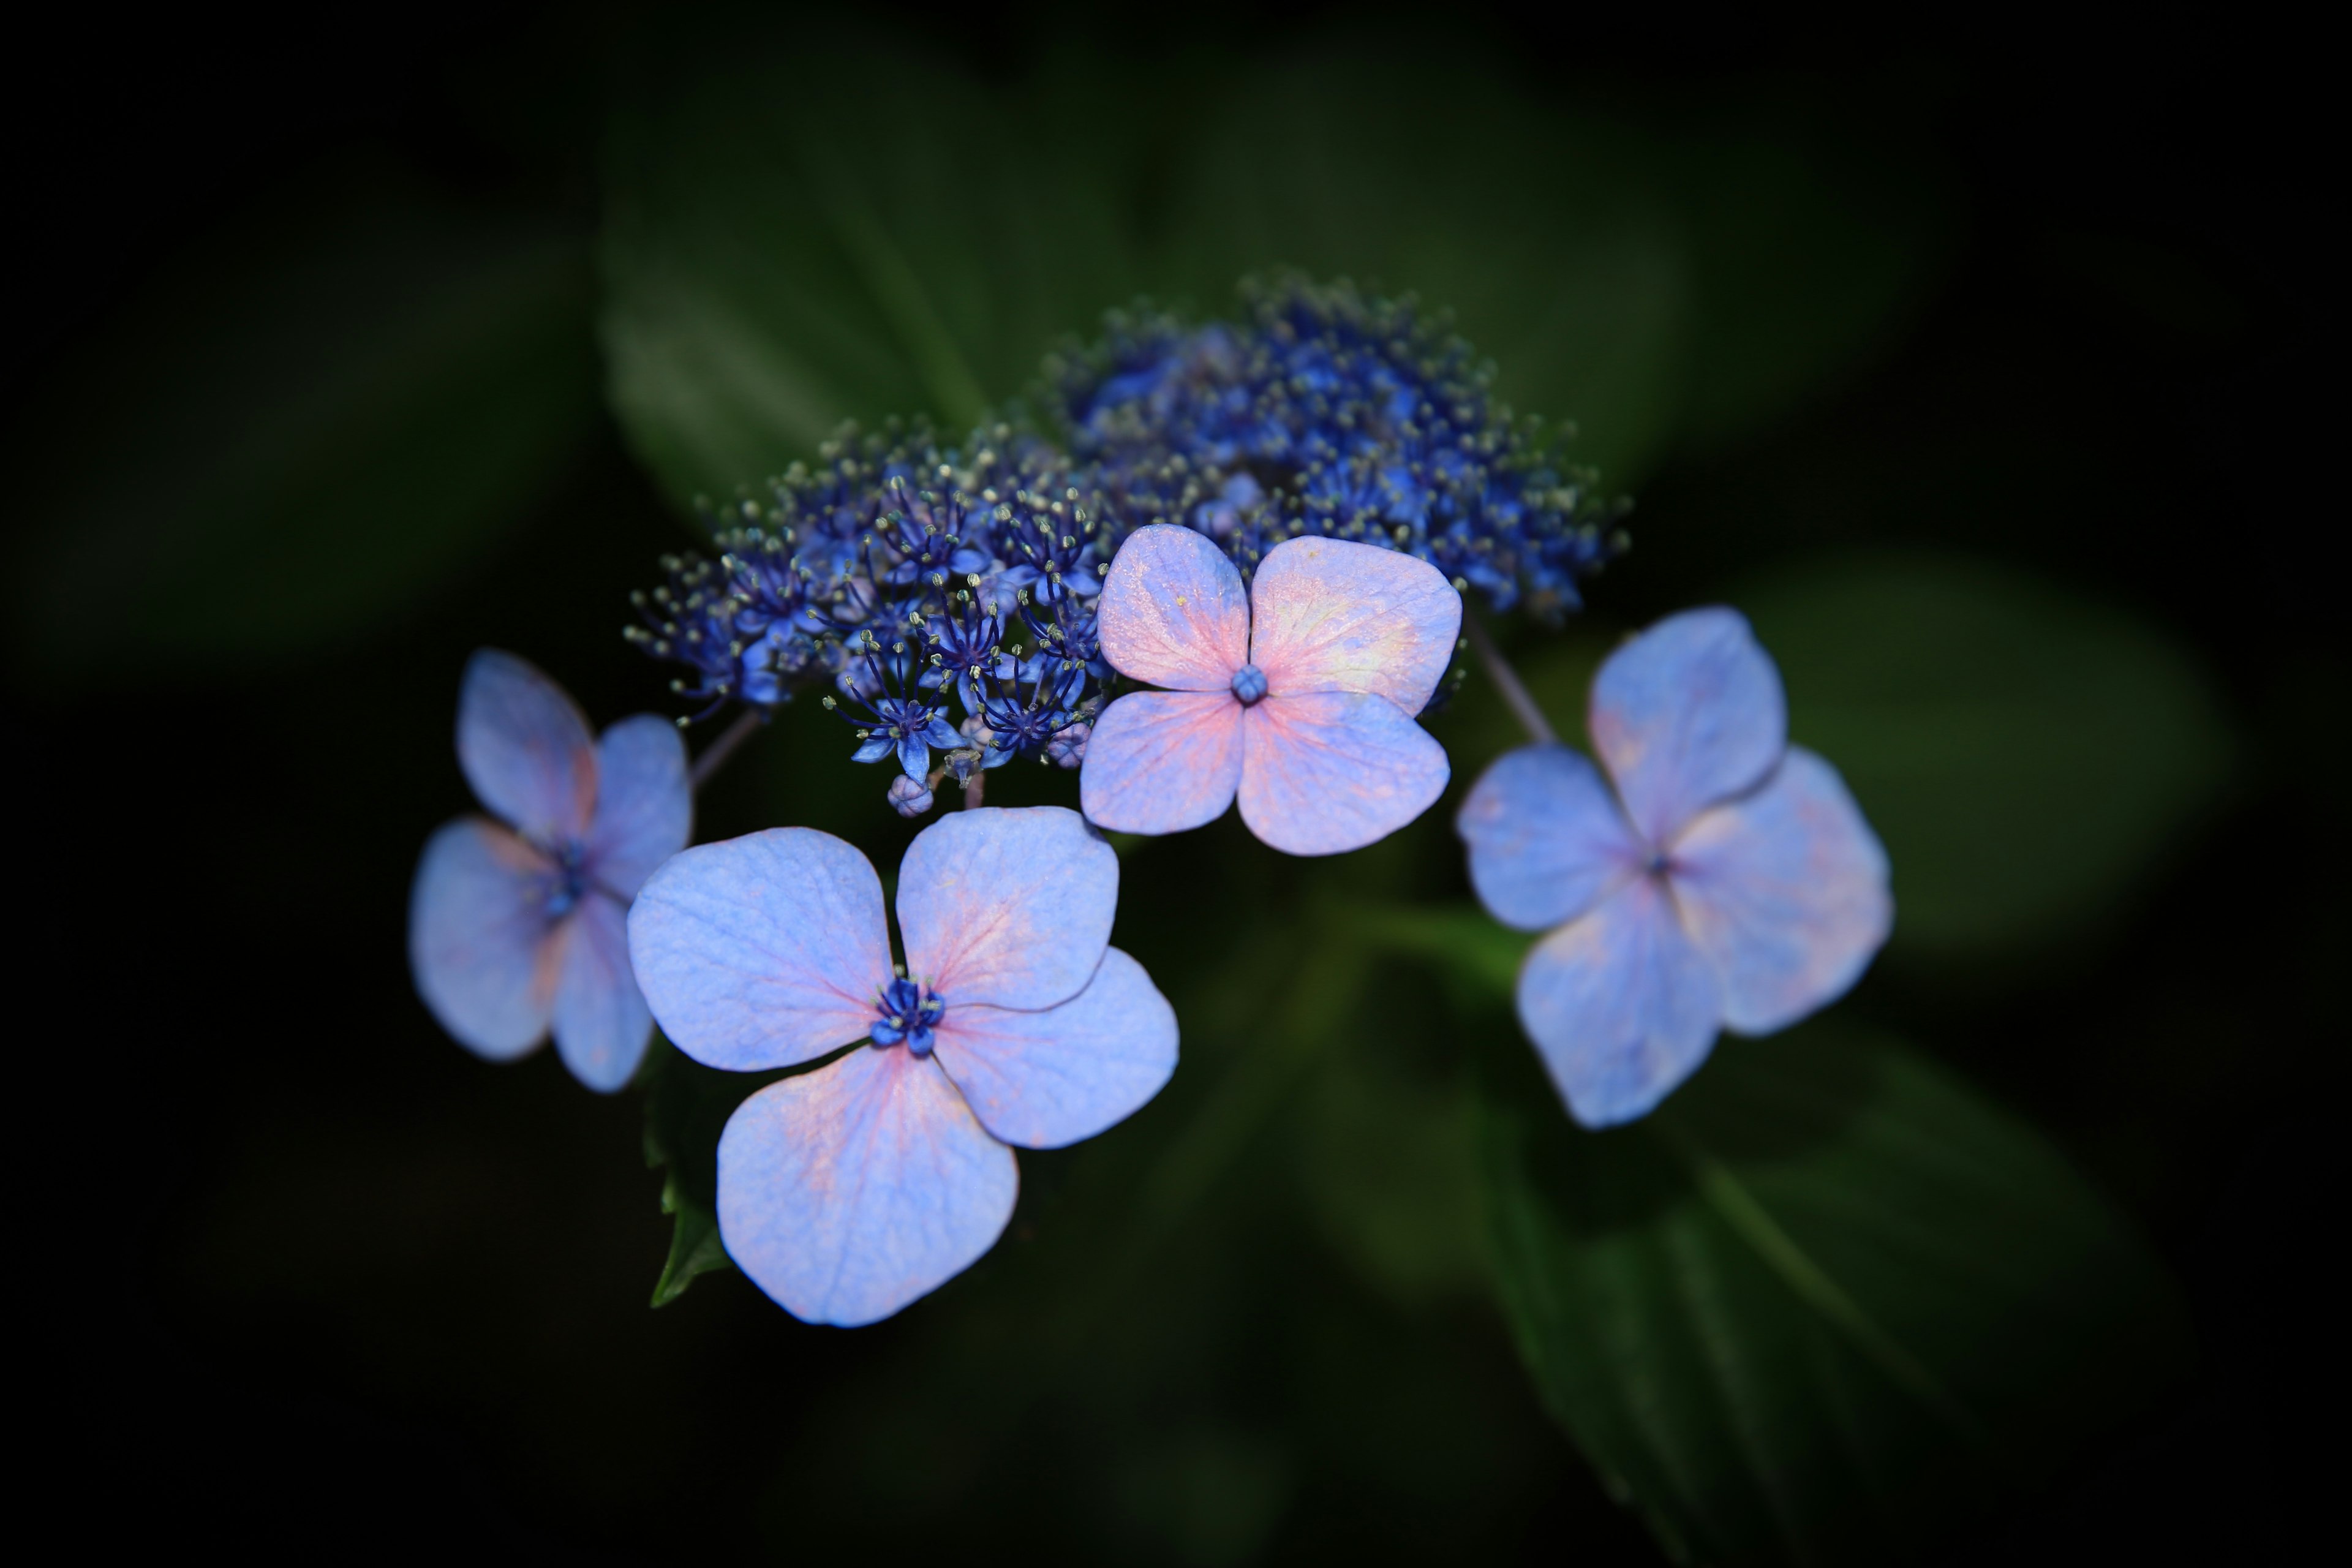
(2027, 755)
(893, 237)
(1825, 1304)
(311, 417)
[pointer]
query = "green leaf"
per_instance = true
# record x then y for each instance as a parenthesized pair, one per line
(893, 237)
(1822, 1307)
(309, 419)
(687, 1108)
(2026, 756)
(886, 238)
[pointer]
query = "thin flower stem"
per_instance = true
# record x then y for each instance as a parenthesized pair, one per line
(1506, 681)
(715, 754)
(974, 788)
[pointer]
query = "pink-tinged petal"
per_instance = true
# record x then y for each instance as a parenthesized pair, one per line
(762, 952)
(1330, 615)
(601, 1026)
(1162, 761)
(1046, 1078)
(1172, 611)
(1686, 715)
(1785, 890)
(645, 808)
(848, 1192)
(1547, 841)
(1621, 1005)
(525, 747)
(481, 943)
(1009, 909)
(1334, 770)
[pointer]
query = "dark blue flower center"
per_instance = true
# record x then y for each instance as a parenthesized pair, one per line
(1249, 684)
(566, 885)
(908, 1013)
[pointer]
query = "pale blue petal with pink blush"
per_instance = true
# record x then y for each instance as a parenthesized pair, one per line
(847, 1193)
(1786, 888)
(1162, 761)
(1045, 1080)
(1007, 909)
(477, 933)
(601, 1022)
(525, 749)
(645, 808)
(1688, 714)
(1327, 772)
(1546, 839)
(762, 952)
(1621, 1005)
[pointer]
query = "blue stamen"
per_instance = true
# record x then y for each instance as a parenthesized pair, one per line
(906, 1014)
(1249, 685)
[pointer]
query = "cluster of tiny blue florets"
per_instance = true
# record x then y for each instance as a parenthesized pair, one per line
(905, 572)
(1326, 413)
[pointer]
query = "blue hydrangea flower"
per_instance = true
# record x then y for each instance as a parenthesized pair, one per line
(1298, 699)
(1728, 881)
(516, 926)
(848, 1192)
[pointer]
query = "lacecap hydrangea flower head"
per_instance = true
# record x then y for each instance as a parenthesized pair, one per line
(1299, 698)
(946, 595)
(1727, 880)
(516, 926)
(850, 1190)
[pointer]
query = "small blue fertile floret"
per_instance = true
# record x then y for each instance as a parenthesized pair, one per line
(908, 1013)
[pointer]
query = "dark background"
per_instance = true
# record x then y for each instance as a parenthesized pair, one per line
(306, 1273)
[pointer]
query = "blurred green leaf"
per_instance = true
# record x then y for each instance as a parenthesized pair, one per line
(687, 1108)
(886, 238)
(2026, 755)
(891, 237)
(307, 420)
(1822, 1305)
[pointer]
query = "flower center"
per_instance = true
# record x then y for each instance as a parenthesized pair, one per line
(1659, 863)
(566, 885)
(1249, 685)
(907, 1013)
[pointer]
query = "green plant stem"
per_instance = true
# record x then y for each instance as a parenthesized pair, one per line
(714, 755)
(1506, 680)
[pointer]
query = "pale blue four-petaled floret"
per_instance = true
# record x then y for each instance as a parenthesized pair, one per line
(848, 1192)
(517, 927)
(1728, 881)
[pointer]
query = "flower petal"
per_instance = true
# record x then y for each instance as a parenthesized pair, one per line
(1688, 714)
(1547, 840)
(1785, 890)
(1173, 611)
(1162, 761)
(1621, 1005)
(1332, 770)
(848, 1192)
(1046, 1078)
(525, 748)
(763, 951)
(1330, 615)
(480, 943)
(645, 808)
(1007, 907)
(601, 1024)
